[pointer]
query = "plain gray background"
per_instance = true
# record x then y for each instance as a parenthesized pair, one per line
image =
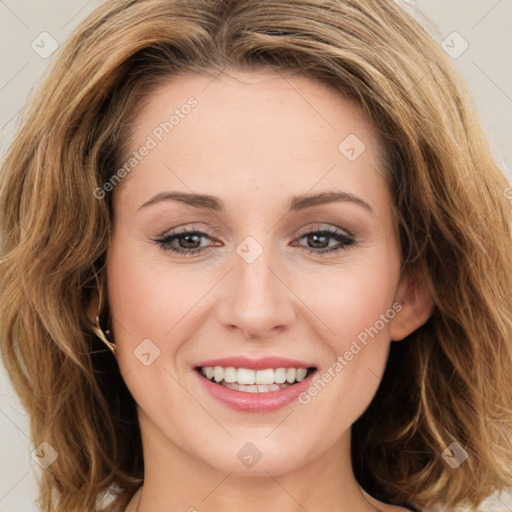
(484, 26)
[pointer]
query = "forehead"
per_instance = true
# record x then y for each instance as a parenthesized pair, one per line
(261, 128)
(257, 102)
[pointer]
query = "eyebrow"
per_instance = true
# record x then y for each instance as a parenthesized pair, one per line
(296, 203)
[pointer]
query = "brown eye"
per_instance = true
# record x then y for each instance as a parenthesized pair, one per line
(318, 240)
(187, 242)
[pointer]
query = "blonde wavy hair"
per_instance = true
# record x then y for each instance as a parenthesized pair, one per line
(451, 380)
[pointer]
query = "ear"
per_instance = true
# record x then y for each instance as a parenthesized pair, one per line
(92, 310)
(417, 305)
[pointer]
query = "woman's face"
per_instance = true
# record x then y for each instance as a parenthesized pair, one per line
(304, 283)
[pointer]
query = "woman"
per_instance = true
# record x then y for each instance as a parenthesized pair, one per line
(247, 202)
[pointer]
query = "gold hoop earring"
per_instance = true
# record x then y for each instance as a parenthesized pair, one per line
(103, 336)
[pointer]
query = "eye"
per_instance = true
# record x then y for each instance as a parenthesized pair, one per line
(187, 242)
(319, 240)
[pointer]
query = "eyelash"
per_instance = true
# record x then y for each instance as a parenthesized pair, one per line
(345, 239)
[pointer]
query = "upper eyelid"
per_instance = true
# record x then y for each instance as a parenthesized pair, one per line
(331, 230)
(319, 226)
(179, 230)
(344, 240)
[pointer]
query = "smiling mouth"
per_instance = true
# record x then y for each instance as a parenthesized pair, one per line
(254, 381)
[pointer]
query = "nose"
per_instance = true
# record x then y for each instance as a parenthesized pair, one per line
(257, 300)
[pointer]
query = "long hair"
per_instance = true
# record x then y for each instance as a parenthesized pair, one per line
(449, 381)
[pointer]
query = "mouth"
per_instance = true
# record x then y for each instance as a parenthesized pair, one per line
(253, 385)
(248, 380)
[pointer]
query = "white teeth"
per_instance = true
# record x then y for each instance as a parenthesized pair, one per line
(265, 376)
(230, 374)
(218, 373)
(254, 381)
(280, 375)
(301, 373)
(245, 376)
(262, 388)
(291, 373)
(254, 388)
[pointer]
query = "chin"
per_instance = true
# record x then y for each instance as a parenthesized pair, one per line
(257, 453)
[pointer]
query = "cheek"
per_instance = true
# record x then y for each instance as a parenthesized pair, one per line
(363, 310)
(149, 296)
(153, 299)
(357, 305)
(144, 298)
(352, 300)
(144, 306)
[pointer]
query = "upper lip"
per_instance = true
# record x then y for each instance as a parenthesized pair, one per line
(261, 363)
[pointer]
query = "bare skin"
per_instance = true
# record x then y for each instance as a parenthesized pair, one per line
(254, 141)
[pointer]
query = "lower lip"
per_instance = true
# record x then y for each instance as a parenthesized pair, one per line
(256, 402)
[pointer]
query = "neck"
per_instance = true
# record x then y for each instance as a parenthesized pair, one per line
(176, 480)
